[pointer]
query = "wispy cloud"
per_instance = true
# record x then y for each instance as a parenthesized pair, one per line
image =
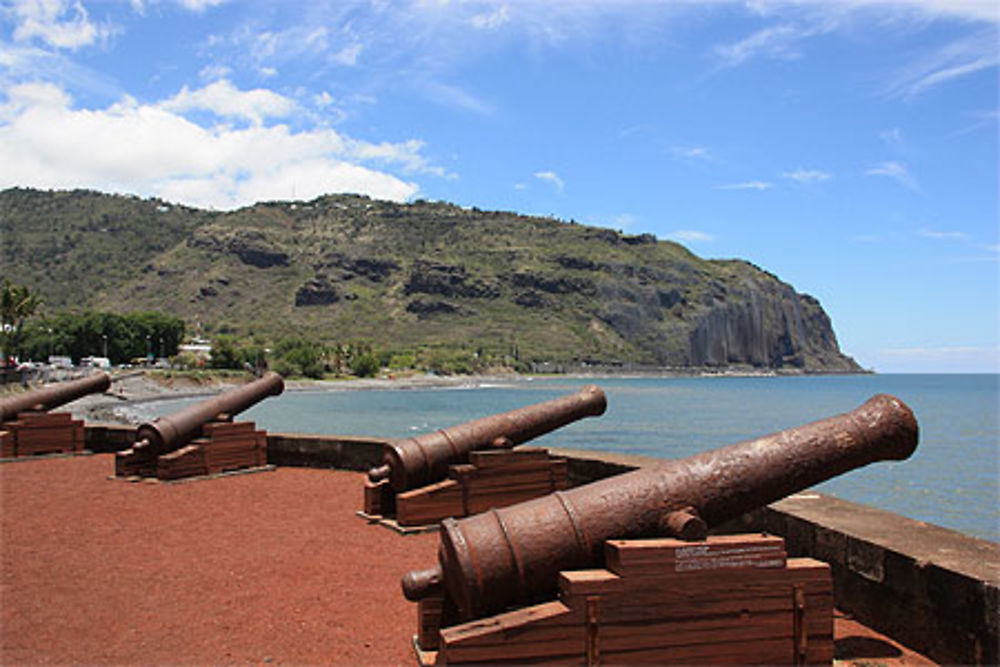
(776, 42)
(892, 137)
(966, 10)
(748, 185)
(624, 221)
(450, 95)
(943, 235)
(490, 20)
(199, 5)
(897, 172)
(551, 177)
(957, 59)
(804, 176)
(690, 236)
(692, 153)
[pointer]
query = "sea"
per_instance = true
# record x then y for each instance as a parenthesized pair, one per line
(951, 480)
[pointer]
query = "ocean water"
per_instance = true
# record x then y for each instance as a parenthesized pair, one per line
(951, 480)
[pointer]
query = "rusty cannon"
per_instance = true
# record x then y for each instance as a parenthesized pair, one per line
(27, 427)
(413, 462)
(165, 435)
(52, 396)
(513, 555)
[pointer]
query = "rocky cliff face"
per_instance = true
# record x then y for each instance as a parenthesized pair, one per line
(344, 268)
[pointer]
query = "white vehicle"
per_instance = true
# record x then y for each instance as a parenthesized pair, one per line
(96, 362)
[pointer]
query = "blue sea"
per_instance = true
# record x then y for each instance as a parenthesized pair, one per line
(951, 480)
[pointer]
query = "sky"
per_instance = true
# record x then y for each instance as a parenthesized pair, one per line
(849, 147)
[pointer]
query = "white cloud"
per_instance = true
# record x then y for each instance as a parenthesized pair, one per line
(151, 150)
(58, 23)
(803, 176)
(749, 185)
(225, 100)
(897, 172)
(690, 236)
(551, 177)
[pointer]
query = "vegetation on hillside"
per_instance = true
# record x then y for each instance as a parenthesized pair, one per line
(426, 284)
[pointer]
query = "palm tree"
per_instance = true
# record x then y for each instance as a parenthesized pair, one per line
(17, 304)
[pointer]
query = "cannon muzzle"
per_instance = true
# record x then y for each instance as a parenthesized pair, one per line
(174, 431)
(53, 396)
(413, 462)
(514, 554)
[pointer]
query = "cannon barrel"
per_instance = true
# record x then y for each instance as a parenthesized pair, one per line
(172, 432)
(53, 396)
(511, 555)
(413, 462)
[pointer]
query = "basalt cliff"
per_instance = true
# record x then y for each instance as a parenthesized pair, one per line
(345, 267)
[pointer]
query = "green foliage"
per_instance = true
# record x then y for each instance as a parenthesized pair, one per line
(227, 353)
(17, 304)
(89, 334)
(365, 365)
(300, 357)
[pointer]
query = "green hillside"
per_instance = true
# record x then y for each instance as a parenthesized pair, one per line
(343, 268)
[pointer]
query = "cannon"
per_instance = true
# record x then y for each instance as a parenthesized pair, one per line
(413, 462)
(52, 396)
(167, 435)
(513, 555)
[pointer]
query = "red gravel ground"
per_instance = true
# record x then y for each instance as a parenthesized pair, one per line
(255, 568)
(259, 568)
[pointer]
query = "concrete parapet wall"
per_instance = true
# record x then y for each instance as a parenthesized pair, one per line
(108, 438)
(324, 451)
(933, 589)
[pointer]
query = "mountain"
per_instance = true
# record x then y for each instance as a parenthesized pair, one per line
(407, 276)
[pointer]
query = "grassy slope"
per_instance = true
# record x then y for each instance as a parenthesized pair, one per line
(557, 290)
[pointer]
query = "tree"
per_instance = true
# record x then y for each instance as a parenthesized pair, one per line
(17, 304)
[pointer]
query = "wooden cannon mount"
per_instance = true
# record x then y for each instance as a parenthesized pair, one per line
(201, 439)
(491, 478)
(732, 599)
(465, 469)
(27, 427)
(519, 555)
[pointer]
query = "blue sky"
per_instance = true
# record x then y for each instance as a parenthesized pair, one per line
(848, 146)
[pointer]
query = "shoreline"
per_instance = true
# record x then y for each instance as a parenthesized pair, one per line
(138, 387)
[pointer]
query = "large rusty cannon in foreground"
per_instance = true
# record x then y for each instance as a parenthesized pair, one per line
(412, 462)
(170, 433)
(52, 396)
(492, 560)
